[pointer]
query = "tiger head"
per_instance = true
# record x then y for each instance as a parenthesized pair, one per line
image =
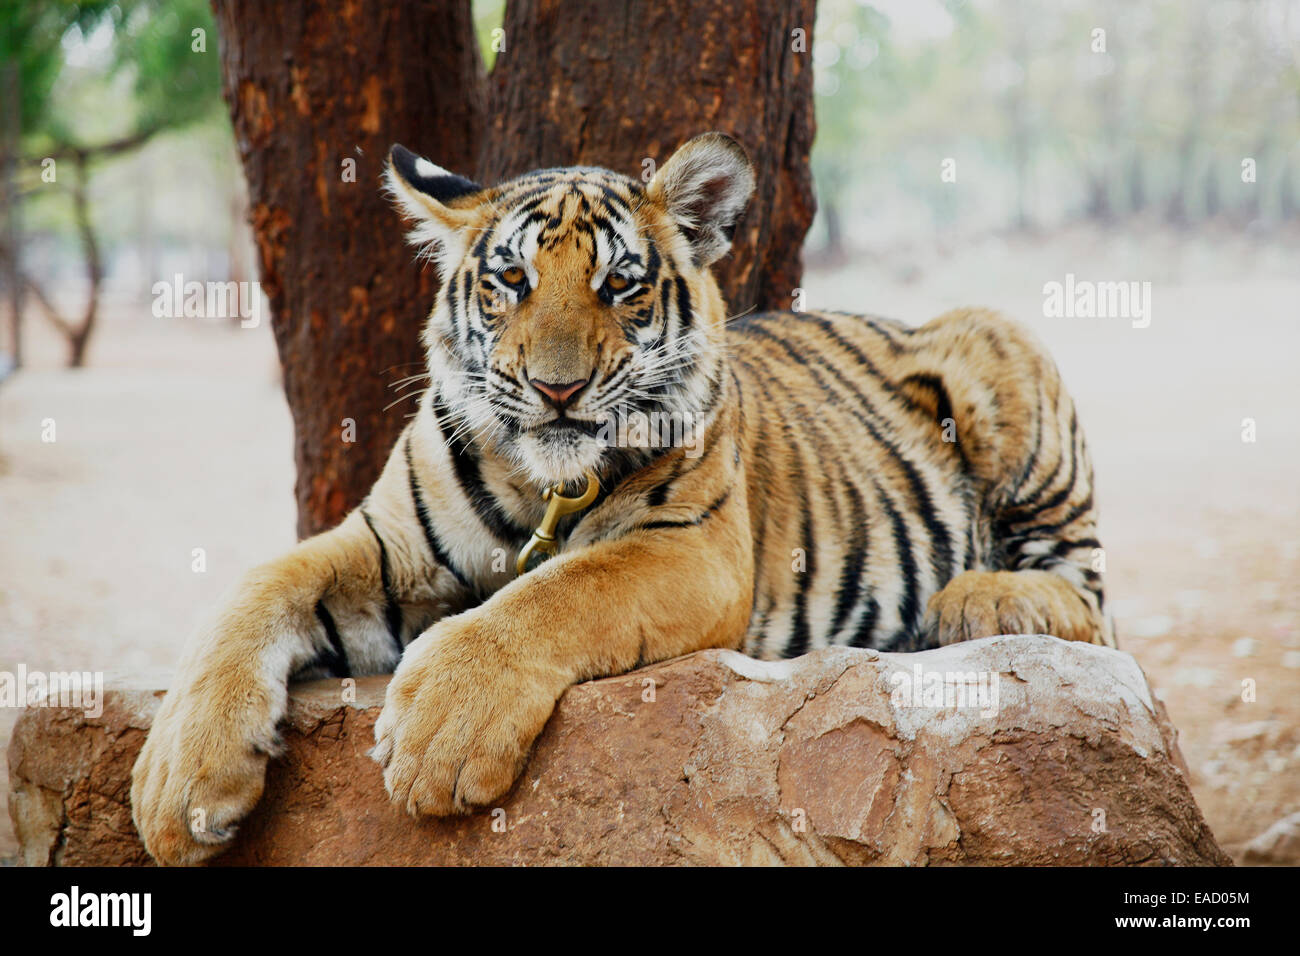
(573, 300)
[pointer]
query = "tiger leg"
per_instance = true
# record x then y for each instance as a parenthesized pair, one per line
(1025, 451)
(322, 608)
(474, 691)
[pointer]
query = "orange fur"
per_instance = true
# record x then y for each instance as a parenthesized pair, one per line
(855, 481)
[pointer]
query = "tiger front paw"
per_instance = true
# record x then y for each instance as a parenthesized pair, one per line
(459, 718)
(978, 604)
(200, 772)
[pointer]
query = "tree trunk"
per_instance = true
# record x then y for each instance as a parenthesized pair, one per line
(311, 84)
(10, 142)
(595, 83)
(583, 81)
(79, 335)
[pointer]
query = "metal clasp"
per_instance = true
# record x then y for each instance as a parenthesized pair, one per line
(542, 544)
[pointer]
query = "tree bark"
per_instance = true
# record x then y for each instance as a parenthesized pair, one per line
(578, 82)
(309, 85)
(595, 83)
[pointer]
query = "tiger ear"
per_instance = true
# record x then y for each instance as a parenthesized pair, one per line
(440, 202)
(704, 187)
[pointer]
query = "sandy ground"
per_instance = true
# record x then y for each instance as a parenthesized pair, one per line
(178, 438)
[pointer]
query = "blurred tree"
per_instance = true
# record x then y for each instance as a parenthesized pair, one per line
(855, 76)
(159, 47)
(1054, 120)
(29, 65)
(311, 86)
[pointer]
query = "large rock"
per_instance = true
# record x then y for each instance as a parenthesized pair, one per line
(712, 758)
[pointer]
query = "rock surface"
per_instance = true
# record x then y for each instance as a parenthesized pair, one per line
(709, 759)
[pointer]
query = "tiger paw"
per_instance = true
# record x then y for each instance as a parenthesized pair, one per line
(199, 773)
(458, 721)
(978, 604)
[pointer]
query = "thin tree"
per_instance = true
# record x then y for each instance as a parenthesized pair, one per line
(162, 43)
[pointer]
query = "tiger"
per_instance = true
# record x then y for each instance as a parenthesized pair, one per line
(829, 480)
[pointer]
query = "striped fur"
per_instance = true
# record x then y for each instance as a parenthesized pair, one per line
(843, 480)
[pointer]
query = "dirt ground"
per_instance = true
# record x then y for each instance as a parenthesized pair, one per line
(177, 437)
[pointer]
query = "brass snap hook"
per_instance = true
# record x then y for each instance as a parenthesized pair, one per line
(542, 544)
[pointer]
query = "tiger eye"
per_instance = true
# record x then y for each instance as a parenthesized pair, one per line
(617, 283)
(514, 275)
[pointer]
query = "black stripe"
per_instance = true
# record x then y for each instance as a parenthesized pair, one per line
(685, 464)
(528, 196)
(895, 347)
(465, 463)
(685, 311)
(940, 538)
(943, 410)
(659, 493)
(1013, 541)
(800, 633)
(1062, 548)
(695, 522)
(336, 658)
(468, 283)
(909, 611)
(852, 568)
(885, 328)
(1067, 489)
(392, 609)
(828, 329)
(435, 546)
(995, 344)
(652, 264)
(760, 459)
(606, 226)
(1035, 448)
(968, 514)
(801, 630)
(758, 633)
(850, 585)
(613, 197)
(480, 247)
(616, 465)
(1027, 505)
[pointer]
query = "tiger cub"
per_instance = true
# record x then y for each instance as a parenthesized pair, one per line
(605, 472)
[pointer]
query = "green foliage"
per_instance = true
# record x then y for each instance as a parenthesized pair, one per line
(174, 84)
(30, 35)
(141, 47)
(488, 16)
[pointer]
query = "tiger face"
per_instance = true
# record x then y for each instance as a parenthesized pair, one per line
(575, 301)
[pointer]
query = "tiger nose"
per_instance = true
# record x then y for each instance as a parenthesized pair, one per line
(558, 395)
